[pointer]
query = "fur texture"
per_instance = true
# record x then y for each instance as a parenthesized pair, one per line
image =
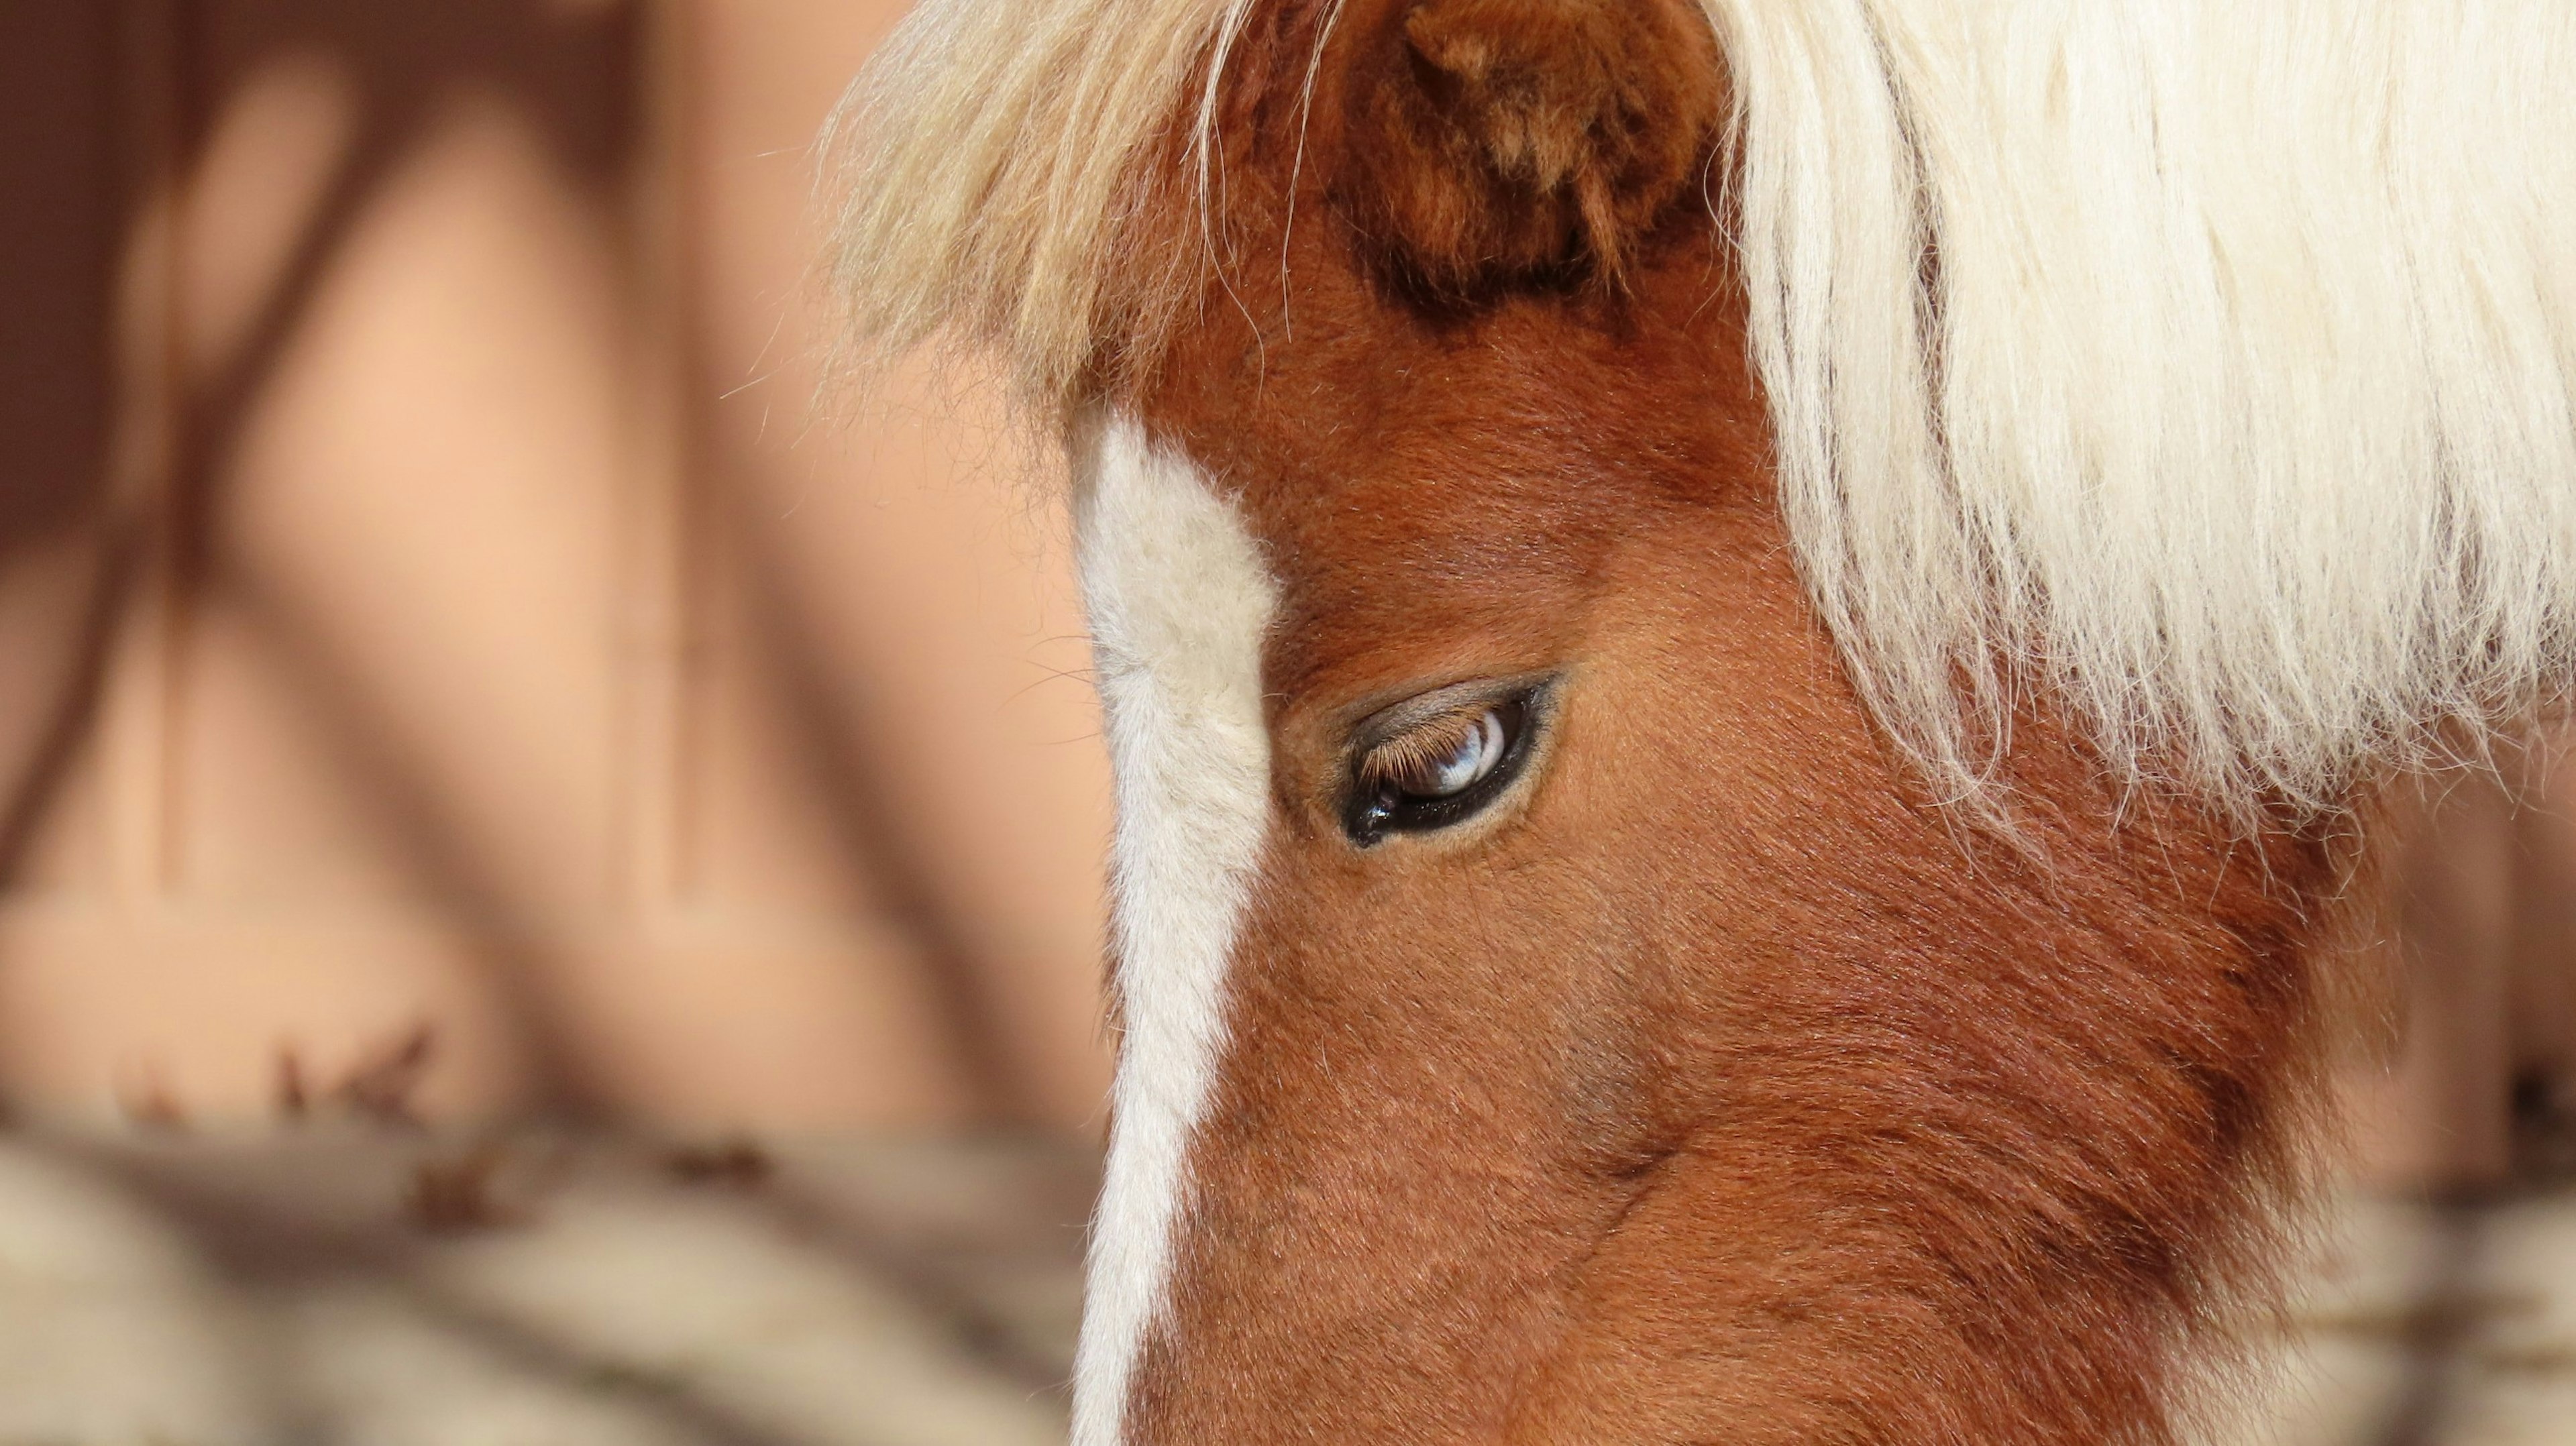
(1178, 601)
(1508, 142)
(2206, 365)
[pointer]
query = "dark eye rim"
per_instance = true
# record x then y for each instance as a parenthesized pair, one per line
(1373, 813)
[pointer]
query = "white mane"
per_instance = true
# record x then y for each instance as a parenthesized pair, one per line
(2206, 362)
(2238, 406)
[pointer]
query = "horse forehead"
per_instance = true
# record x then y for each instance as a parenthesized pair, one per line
(1397, 535)
(1385, 457)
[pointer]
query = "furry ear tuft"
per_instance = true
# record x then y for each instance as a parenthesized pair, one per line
(1495, 141)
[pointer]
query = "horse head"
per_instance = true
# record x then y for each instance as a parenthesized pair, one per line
(1571, 985)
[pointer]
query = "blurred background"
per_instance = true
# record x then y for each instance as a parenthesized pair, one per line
(549, 884)
(430, 597)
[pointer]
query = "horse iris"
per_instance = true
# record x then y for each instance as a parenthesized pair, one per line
(1473, 758)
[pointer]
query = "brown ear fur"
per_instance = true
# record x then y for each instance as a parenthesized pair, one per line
(1511, 140)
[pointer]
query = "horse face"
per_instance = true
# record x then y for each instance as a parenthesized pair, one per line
(1550, 1013)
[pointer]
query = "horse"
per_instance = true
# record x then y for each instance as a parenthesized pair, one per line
(1745, 646)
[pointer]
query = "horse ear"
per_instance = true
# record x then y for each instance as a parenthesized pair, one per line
(1502, 141)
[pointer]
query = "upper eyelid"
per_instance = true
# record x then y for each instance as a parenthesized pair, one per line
(1409, 715)
(1455, 716)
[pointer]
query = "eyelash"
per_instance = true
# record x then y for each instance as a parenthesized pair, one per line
(1388, 778)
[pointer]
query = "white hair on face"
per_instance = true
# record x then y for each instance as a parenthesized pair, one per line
(2207, 362)
(1178, 600)
(2204, 363)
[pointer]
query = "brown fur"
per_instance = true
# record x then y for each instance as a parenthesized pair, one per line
(1495, 140)
(1725, 1092)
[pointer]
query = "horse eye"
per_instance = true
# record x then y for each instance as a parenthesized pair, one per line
(1431, 769)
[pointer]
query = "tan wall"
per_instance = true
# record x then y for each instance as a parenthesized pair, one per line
(2481, 1079)
(427, 595)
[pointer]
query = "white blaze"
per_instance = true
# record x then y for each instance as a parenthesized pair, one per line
(1178, 601)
